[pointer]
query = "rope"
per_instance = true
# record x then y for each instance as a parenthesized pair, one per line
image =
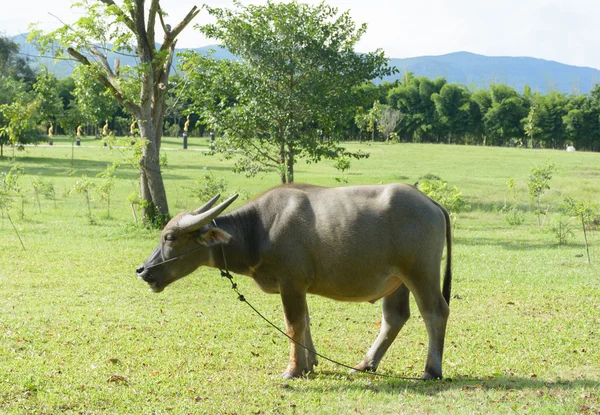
(243, 299)
(226, 274)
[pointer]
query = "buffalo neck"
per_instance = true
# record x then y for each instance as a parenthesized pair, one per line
(241, 253)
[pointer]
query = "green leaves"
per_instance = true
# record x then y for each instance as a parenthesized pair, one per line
(448, 196)
(291, 87)
(207, 187)
(538, 184)
(84, 187)
(50, 104)
(539, 178)
(19, 122)
(586, 212)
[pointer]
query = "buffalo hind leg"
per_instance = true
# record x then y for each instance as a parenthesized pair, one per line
(396, 311)
(435, 311)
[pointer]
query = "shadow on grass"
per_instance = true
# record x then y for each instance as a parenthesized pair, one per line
(515, 245)
(49, 166)
(496, 207)
(57, 167)
(512, 245)
(198, 166)
(394, 385)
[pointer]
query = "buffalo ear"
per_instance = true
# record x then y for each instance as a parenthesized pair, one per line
(215, 236)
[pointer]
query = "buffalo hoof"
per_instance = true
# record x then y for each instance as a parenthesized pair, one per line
(364, 367)
(287, 375)
(290, 374)
(430, 376)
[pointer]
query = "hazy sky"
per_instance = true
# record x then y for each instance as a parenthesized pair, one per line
(566, 31)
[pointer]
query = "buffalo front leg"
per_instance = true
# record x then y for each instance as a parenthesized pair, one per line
(297, 328)
(396, 311)
(311, 356)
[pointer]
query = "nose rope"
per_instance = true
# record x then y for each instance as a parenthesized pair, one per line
(226, 274)
(174, 258)
(163, 261)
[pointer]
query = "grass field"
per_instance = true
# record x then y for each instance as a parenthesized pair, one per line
(79, 333)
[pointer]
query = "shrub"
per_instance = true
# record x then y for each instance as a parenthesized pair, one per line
(448, 196)
(538, 184)
(207, 187)
(514, 216)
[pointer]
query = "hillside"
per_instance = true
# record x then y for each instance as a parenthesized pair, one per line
(478, 71)
(474, 71)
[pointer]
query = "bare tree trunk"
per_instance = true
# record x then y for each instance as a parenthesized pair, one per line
(587, 248)
(290, 164)
(151, 182)
(282, 156)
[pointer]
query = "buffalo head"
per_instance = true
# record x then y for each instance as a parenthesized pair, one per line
(184, 245)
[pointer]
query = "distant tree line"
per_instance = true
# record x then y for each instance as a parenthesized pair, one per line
(414, 109)
(434, 111)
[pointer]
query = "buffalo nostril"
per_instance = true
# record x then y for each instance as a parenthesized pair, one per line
(140, 269)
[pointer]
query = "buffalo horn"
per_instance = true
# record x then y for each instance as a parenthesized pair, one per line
(207, 205)
(191, 223)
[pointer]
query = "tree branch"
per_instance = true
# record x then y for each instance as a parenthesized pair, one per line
(145, 49)
(262, 153)
(104, 80)
(126, 19)
(103, 61)
(162, 21)
(154, 8)
(171, 35)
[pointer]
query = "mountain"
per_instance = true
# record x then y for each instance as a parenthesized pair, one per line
(478, 72)
(474, 71)
(64, 68)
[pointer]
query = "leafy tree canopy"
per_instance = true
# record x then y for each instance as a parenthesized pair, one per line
(13, 65)
(292, 86)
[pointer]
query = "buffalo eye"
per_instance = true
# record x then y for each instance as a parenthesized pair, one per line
(169, 237)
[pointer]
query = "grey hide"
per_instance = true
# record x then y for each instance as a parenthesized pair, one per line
(358, 243)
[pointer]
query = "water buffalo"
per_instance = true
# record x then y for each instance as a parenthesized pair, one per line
(357, 243)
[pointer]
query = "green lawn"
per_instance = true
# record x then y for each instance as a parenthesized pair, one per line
(79, 333)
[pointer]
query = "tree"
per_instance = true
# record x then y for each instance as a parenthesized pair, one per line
(10, 89)
(16, 78)
(11, 64)
(584, 211)
(367, 120)
(582, 120)
(544, 122)
(388, 121)
(453, 106)
(50, 104)
(538, 184)
(106, 187)
(413, 99)
(128, 28)
(532, 127)
(502, 121)
(19, 122)
(93, 102)
(84, 187)
(9, 188)
(364, 96)
(292, 85)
